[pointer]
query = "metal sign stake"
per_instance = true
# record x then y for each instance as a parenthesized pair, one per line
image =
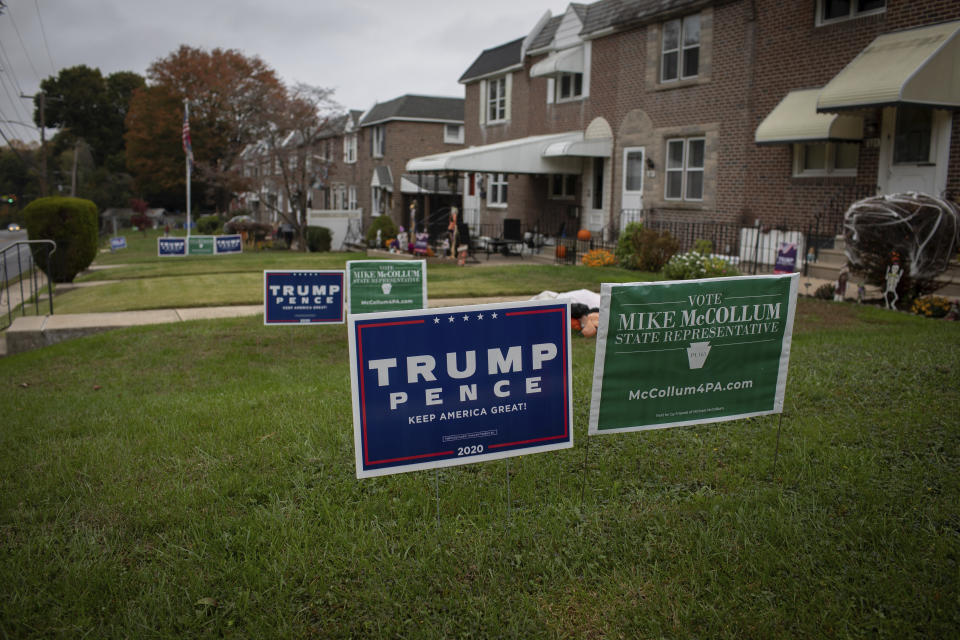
(776, 450)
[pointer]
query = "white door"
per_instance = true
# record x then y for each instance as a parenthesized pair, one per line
(471, 202)
(914, 152)
(594, 179)
(631, 202)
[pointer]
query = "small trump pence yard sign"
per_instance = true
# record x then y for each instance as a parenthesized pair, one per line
(303, 297)
(456, 385)
(680, 353)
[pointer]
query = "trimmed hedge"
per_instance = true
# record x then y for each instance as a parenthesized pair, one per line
(319, 239)
(72, 224)
(209, 225)
(387, 230)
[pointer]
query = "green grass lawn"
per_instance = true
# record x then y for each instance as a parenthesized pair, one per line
(197, 480)
(141, 280)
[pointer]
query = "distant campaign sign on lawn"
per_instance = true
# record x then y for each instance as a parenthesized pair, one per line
(456, 385)
(679, 353)
(386, 285)
(171, 247)
(303, 297)
(228, 244)
(201, 245)
(119, 242)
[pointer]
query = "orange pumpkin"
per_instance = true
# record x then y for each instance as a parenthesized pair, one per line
(575, 324)
(583, 234)
(561, 251)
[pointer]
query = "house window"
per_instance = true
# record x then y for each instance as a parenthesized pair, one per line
(352, 197)
(817, 159)
(378, 141)
(497, 100)
(453, 134)
(911, 143)
(680, 51)
(835, 10)
(563, 187)
(684, 168)
(350, 148)
(569, 86)
(497, 190)
(378, 201)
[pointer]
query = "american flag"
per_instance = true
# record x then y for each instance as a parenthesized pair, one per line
(187, 145)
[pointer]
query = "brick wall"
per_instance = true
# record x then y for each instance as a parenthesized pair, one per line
(794, 53)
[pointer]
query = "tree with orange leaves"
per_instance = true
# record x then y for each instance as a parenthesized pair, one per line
(228, 93)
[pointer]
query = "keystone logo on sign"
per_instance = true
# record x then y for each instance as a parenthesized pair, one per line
(677, 353)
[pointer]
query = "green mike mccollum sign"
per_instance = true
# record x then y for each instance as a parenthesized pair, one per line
(689, 352)
(375, 286)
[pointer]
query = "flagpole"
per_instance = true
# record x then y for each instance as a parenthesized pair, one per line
(186, 118)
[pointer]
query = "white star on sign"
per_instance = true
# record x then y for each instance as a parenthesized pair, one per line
(494, 316)
(466, 318)
(436, 321)
(450, 318)
(479, 316)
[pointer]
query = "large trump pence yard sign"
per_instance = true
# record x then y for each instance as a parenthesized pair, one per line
(676, 353)
(448, 386)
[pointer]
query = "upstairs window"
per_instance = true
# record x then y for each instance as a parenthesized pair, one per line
(350, 148)
(378, 141)
(829, 11)
(497, 100)
(569, 86)
(453, 134)
(680, 51)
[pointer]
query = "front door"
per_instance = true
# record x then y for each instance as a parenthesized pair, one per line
(914, 150)
(593, 199)
(631, 201)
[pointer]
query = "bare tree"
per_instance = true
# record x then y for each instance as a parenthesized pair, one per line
(293, 128)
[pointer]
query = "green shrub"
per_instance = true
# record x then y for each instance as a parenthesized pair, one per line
(387, 230)
(208, 225)
(693, 265)
(319, 239)
(72, 224)
(825, 291)
(645, 249)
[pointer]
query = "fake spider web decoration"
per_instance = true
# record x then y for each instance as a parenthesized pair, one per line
(924, 231)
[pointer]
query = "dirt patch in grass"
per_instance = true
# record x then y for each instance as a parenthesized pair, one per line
(814, 315)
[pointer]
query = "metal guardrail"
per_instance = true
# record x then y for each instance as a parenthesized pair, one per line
(26, 271)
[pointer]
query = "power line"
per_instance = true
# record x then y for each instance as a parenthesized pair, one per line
(43, 32)
(25, 52)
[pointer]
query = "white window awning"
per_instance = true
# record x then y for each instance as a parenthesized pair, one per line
(583, 148)
(382, 178)
(566, 61)
(522, 155)
(917, 66)
(796, 119)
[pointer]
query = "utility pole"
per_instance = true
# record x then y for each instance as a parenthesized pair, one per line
(43, 139)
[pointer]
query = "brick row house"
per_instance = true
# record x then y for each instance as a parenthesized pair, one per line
(357, 168)
(739, 111)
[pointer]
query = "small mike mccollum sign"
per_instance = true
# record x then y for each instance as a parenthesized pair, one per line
(457, 385)
(689, 352)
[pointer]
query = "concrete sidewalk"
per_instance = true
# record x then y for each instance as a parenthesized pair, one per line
(32, 332)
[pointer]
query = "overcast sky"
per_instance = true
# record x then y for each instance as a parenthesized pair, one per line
(366, 50)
